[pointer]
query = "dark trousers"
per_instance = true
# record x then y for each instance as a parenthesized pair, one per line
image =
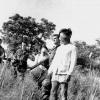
(46, 87)
(54, 91)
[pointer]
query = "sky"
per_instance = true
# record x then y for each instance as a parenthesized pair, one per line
(82, 16)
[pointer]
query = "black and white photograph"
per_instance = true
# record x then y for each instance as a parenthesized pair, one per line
(49, 49)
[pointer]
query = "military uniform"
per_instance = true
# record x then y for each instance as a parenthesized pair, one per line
(20, 63)
(46, 84)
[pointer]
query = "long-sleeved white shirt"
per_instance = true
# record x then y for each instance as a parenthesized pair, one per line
(38, 59)
(64, 60)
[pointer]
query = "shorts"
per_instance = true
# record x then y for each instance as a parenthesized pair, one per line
(61, 78)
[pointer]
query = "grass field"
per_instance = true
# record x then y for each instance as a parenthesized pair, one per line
(12, 88)
(83, 85)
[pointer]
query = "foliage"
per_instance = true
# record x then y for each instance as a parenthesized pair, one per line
(85, 81)
(86, 53)
(84, 86)
(19, 28)
(12, 88)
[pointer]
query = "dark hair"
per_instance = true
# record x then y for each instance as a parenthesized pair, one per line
(57, 35)
(67, 32)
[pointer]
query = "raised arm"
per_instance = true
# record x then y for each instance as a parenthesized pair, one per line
(44, 57)
(31, 63)
(40, 62)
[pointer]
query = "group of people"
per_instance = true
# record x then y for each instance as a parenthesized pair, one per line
(51, 68)
(56, 65)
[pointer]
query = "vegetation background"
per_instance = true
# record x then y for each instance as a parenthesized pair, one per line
(84, 83)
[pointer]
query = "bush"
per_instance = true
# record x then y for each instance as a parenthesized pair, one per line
(84, 86)
(17, 89)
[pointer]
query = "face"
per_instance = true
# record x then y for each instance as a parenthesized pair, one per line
(55, 39)
(63, 38)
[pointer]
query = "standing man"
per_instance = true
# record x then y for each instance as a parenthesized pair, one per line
(62, 64)
(46, 84)
(19, 58)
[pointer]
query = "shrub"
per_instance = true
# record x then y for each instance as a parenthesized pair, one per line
(84, 86)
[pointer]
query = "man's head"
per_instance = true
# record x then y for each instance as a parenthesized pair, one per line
(55, 39)
(65, 35)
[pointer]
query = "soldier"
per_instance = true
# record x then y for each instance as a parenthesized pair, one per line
(40, 65)
(63, 64)
(20, 63)
(46, 84)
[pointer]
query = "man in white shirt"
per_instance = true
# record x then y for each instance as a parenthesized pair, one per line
(62, 64)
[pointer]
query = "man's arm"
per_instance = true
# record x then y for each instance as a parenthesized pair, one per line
(73, 60)
(38, 63)
(52, 65)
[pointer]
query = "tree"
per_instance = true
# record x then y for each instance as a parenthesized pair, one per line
(86, 53)
(19, 28)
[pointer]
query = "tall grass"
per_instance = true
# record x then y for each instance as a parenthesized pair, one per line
(12, 88)
(84, 86)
